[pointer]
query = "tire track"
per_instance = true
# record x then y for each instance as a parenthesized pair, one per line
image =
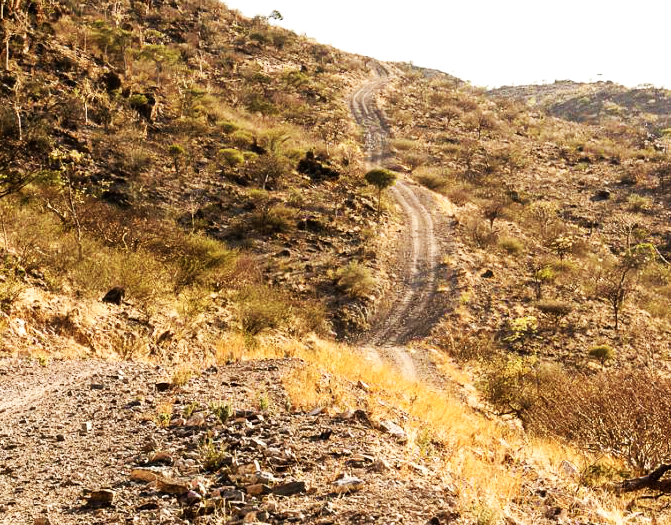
(415, 305)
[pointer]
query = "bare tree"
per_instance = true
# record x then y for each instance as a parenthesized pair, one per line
(615, 283)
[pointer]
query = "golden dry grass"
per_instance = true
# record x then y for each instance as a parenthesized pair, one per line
(486, 460)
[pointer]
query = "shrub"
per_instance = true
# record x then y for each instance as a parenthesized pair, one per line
(275, 219)
(176, 152)
(242, 139)
(382, 179)
(505, 384)
(355, 280)
(10, 290)
(202, 260)
(638, 204)
(623, 413)
(554, 309)
(602, 352)
(511, 245)
(432, 179)
(232, 157)
(520, 328)
(221, 410)
(260, 308)
(269, 171)
(228, 127)
(478, 232)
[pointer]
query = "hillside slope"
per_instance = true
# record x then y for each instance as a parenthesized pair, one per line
(596, 102)
(186, 229)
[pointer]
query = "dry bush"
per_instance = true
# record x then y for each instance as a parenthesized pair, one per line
(432, 178)
(459, 195)
(261, 308)
(479, 233)
(511, 245)
(355, 280)
(624, 413)
(469, 346)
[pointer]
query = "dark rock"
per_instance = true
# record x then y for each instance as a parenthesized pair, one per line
(311, 225)
(314, 169)
(323, 436)
(289, 489)
(601, 195)
(118, 198)
(115, 295)
(112, 81)
(487, 274)
(144, 109)
(163, 386)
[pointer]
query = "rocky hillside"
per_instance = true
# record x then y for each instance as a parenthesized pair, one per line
(597, 103)
(186, 229)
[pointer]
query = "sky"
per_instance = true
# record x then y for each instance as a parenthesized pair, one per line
(494, 42)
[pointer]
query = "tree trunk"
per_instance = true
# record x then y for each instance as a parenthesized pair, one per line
(650, 481)
(17, 112)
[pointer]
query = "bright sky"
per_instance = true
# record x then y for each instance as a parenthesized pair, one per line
(495, 42)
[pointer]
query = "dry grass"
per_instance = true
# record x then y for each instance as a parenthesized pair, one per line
(474, 450)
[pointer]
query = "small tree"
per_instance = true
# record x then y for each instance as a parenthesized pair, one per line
(540, 275)
(177, 153)
(382, 179)
(480, 121)
(616, 282)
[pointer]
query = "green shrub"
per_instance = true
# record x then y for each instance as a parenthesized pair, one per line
(431, 179)
(602, 352)
(261, 308)
(242, 139)
(10, 290)
(511, 245)
(232, 157)
(638, 204)
(276, 219)
(355, 280)
(221, 410)
(228, 127)
(505, 383)
(202, 260)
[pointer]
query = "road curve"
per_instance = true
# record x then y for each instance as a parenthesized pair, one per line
(415, 305)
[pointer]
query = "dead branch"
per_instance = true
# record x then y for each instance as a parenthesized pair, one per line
(650, 481)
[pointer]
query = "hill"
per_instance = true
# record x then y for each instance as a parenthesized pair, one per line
(597, 102)
(189, 241)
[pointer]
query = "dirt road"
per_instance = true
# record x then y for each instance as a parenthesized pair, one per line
(415, 305)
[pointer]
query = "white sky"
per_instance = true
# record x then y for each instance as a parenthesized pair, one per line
(495, 42)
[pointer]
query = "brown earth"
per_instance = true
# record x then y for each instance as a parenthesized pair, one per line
(414, 304)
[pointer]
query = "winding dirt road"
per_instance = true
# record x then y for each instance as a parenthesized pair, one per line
(415, 305)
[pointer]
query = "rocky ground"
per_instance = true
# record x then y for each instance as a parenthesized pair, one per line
(100, 442)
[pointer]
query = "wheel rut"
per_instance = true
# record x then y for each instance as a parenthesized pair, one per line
(415, 305)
